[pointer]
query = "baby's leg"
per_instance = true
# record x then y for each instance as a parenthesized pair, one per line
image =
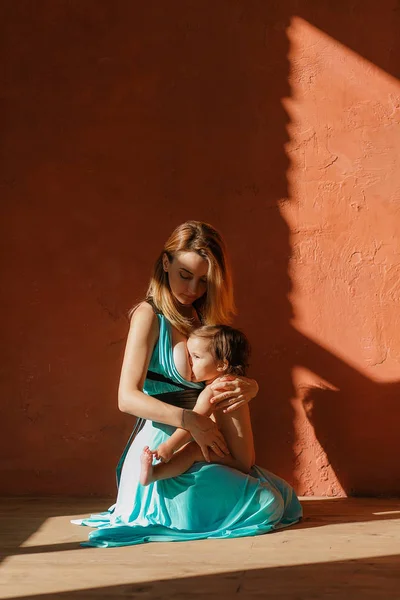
(179, 463)
(182, 459)
(180, 437)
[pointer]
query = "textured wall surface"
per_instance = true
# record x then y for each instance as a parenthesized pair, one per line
(279, 124)
(345, 267)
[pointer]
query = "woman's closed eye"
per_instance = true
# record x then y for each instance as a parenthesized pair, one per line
(188, 278)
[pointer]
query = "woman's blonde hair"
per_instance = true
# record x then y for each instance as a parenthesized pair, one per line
(217, 304)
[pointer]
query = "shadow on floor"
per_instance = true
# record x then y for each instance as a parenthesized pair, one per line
(22, 517)
(356, 579)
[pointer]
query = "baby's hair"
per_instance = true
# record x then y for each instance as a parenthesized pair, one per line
(227, 344)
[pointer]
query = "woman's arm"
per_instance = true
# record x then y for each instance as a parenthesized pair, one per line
(234, 392)
(180, 437)
(142, 338)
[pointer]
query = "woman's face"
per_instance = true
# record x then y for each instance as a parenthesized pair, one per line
(204, 366)
(187, 275)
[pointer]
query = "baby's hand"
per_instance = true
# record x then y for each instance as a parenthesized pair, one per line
(163, 453)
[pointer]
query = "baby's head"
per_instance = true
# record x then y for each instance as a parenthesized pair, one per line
(217, 350)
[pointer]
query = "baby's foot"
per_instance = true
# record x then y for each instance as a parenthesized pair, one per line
(146, 472)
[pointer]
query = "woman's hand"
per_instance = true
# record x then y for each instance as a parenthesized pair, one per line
(235, 391)
(205, 433)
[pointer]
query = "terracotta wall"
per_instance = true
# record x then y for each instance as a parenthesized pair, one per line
(279, 125)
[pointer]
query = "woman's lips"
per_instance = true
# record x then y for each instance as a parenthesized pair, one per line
(187, 299)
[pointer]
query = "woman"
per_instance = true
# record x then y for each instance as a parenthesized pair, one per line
(191, 285)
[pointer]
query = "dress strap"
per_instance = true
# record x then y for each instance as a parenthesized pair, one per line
(150, 301)
(184, 399)
(159, 377)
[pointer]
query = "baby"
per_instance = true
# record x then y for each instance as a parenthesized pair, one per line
(213, 351)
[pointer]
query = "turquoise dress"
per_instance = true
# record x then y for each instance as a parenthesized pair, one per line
(207, 501)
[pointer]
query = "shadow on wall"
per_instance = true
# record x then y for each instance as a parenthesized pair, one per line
(357, 426)
(366, 28)
(360, 444)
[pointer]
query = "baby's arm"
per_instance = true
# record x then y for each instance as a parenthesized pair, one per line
(180, 437)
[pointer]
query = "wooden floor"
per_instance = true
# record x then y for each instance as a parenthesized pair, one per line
(343, 549)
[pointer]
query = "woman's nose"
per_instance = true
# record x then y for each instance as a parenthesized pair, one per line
(193, 287)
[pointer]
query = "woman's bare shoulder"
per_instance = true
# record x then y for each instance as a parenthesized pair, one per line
(143, 316)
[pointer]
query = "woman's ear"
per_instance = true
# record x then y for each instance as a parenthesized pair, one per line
(165, 262)
(223, 366)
